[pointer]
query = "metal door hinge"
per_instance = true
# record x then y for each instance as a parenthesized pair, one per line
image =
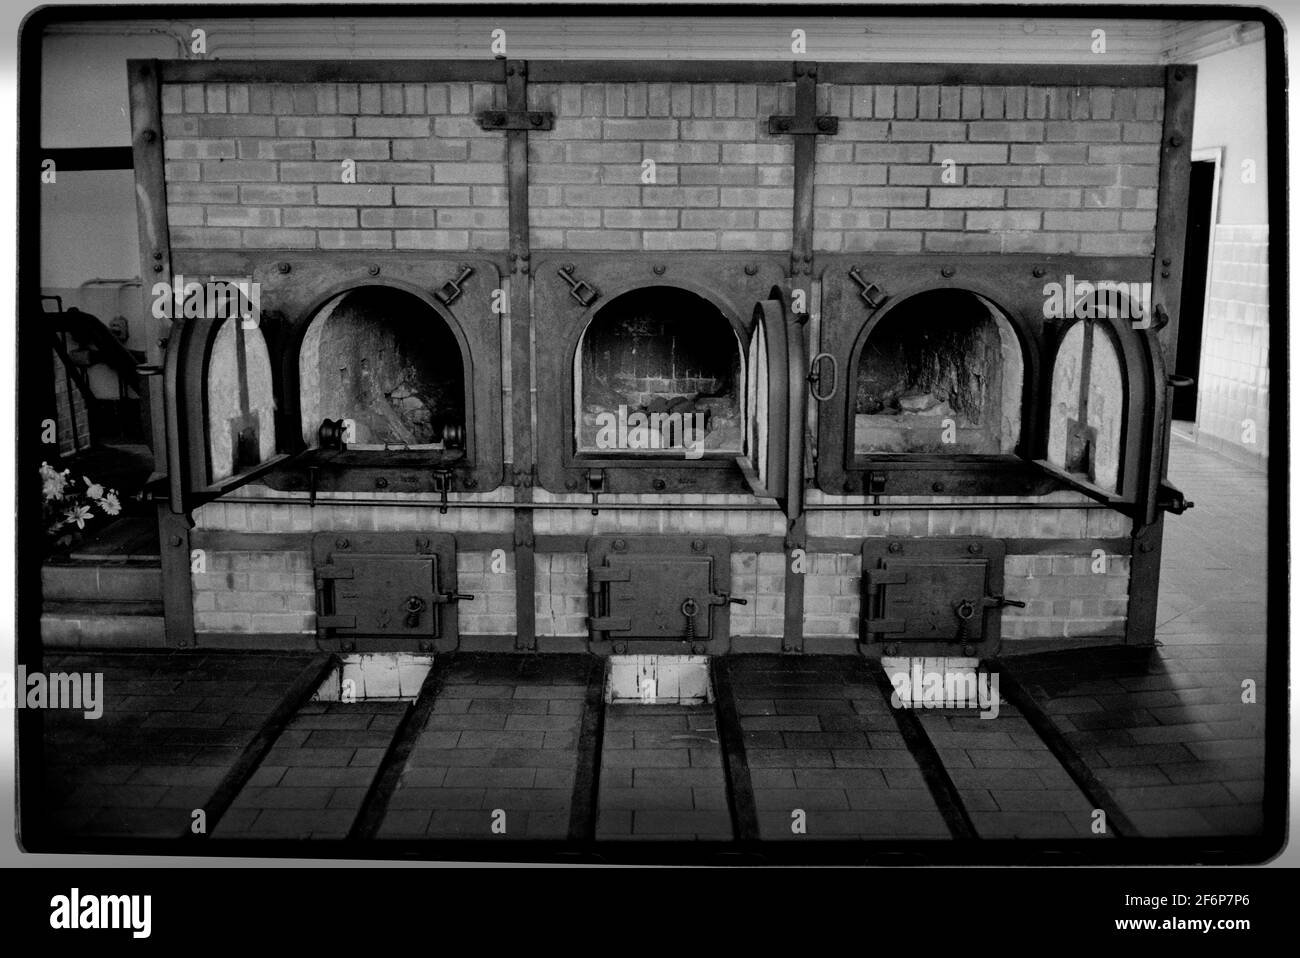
(824, 125)
(516, 120)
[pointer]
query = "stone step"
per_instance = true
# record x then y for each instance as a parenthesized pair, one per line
(103, 625)
(102, 582)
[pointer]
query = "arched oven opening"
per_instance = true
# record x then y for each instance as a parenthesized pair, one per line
(240, 401)
(659, 373)
(941, 374)
(1086, 433)
(386, 365)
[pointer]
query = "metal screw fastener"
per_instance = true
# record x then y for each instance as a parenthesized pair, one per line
(1166, 262)
(697, 545)
(373, 269)
(751, 269)
(937, 487)
(659, 485)
(782, 126)
(968, 650)
(157, 268)
(895, 547)
(381, 483)
(659, 269)
(620, 647)
(891, 650)
(157, 254)
(975, 547)
(283, 267)
(342, 542)
(947, 271)
(620, 545)
(1040, 272)
(824, 124)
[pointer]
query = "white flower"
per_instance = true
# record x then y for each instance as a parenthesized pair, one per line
(110, 504)
(53, 482)
(93, 489)
(79, 515)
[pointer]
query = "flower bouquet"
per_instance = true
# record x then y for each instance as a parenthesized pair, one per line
(67, 506)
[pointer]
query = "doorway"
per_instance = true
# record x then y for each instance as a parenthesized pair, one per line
(1201, 209)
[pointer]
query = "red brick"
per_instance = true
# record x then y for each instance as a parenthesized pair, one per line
(962, 243)
(927, 103)
(1003, 220)
(239, 171)
(926, 131)
(1078, 131)
(179, 149)
(1043, 198)
(1003, 175)
(432, 195)
(275, 194)
(965, 197)
(1092, 220)
(354, 195)
(926, 219)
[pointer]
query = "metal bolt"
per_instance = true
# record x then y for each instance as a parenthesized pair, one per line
(620, 545)
(751, 269)
(158, 268)
(891, 650)
(176, 540)
(659, 485)
(975, 547)
(1166, 261)
(157, 254)
(571, 484)
(937, 487)
(381, 483)
(470, 482)
(895, 547)
(947, 271)
(824, 124)
(1176, 140)
(373, 269)
(659, 269)
(342, 543)
(697, 545)
(535, 119)
(1144, 547)
(620, 647)
(1039, 272)
(150, 136)
(968, 650)
(283, 267)
(1164, 273)
(697, 649)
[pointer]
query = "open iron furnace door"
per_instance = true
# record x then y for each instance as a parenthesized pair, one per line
(775, 405)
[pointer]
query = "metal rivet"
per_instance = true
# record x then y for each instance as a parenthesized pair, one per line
(342, 542)
(176, 540)
(968, 650)
(150, 136)
(283, 267)
(157, 254)
(470, 482)
(947, 271)
(620, 545)
(659, 269)
(1040, 272)
(620, 647)
(571, 484)
(937, 486)
(659, 485)
(373, 269)
(535, 119)
(1176, 140)
(891, 650)
(895, 547)
(697, 649)
(697, 545)
(381, 483)
(1144, 547)
(1166, 261)
(975, 547)
(751, 269)
(824, 124)
(1164, 273)
(158, 268)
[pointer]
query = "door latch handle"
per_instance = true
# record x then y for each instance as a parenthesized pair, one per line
(1000, 602)
(413, 606)
(815, 377)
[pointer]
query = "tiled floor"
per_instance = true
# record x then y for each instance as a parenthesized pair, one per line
(809, 746)
(498, 755)
(661, 775)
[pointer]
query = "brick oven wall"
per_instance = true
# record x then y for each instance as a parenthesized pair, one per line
(720, 180)
(1054, 170)
(1064, 596)
(1031, 169)
(260, 165)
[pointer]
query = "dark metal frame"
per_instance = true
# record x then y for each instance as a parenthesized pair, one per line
(1015, 285)
(723, 279)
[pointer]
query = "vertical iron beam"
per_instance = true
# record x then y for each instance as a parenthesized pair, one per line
(177, 586)
(521, 326)
(145, 95)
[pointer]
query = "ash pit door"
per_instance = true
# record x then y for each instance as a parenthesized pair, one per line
(385, 593)
(644, 591)
(937, 597)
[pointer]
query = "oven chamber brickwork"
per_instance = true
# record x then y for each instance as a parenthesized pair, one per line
(1063, 170)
